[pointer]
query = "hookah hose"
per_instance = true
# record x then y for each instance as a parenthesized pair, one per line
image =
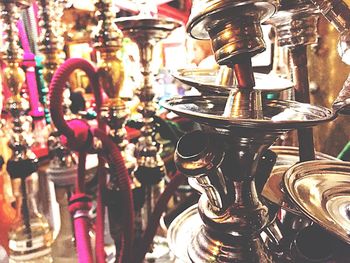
(159, 209)
(116, 161)
(78, 137)
(77, 132)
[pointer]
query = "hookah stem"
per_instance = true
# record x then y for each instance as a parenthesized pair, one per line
(25, 209)
(301, 76)
(244, 73)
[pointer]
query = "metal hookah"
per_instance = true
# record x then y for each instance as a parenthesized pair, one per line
(296, 28)
(147, 31)
(224, 160)
(51, 45)
(338, 13)
(31, 237)
(108, 42)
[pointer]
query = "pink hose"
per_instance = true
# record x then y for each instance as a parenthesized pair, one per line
(81, 228)
(115, 158)
(100, 213)
(57, 87)
(80, 203)
(78, 137)
(159, 209)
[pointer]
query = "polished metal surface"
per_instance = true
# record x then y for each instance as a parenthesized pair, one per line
(181, 231)
(233, 26)
(198, 157)
(208, 81)
(274, 115)
(146, 31)
(242, 212)
(273, 189)
(143, 29)
(289, 155)
(337, 12)
(321, 190)
(295, 23)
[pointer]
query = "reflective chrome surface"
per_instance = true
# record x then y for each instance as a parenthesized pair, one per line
(208, 81)
(295, 23)
(242, 213)
(181, 230)
(144, 29)
(233, 26)
(274, 115)
(321, 190)
(273, 189)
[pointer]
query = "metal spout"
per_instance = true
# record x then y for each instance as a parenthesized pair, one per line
(198, 156)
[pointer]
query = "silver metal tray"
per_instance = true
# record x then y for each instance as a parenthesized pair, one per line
(206, 81)
(273, 190)
(276, 115)
(321, 190)
(181, 230)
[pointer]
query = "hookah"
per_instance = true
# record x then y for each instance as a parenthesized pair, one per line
(51, 46)
(30, 237)
(108, 42)
(146, 31)
(224, 161)
(114, 112)
(329, 195)
(80, 137)
(296, 27)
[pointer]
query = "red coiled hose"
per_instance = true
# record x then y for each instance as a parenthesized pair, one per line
(115, 158)
(75, 135)
(159, 209)
(78, 135)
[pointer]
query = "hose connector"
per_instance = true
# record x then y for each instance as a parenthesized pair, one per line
(198, 156)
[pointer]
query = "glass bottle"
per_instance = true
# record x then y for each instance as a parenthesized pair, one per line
(30, 238)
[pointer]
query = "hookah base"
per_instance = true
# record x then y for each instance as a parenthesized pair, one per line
(209, 246)
(159, 251)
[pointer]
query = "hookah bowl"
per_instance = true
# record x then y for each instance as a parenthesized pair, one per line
(225, 163)
(108, 42)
